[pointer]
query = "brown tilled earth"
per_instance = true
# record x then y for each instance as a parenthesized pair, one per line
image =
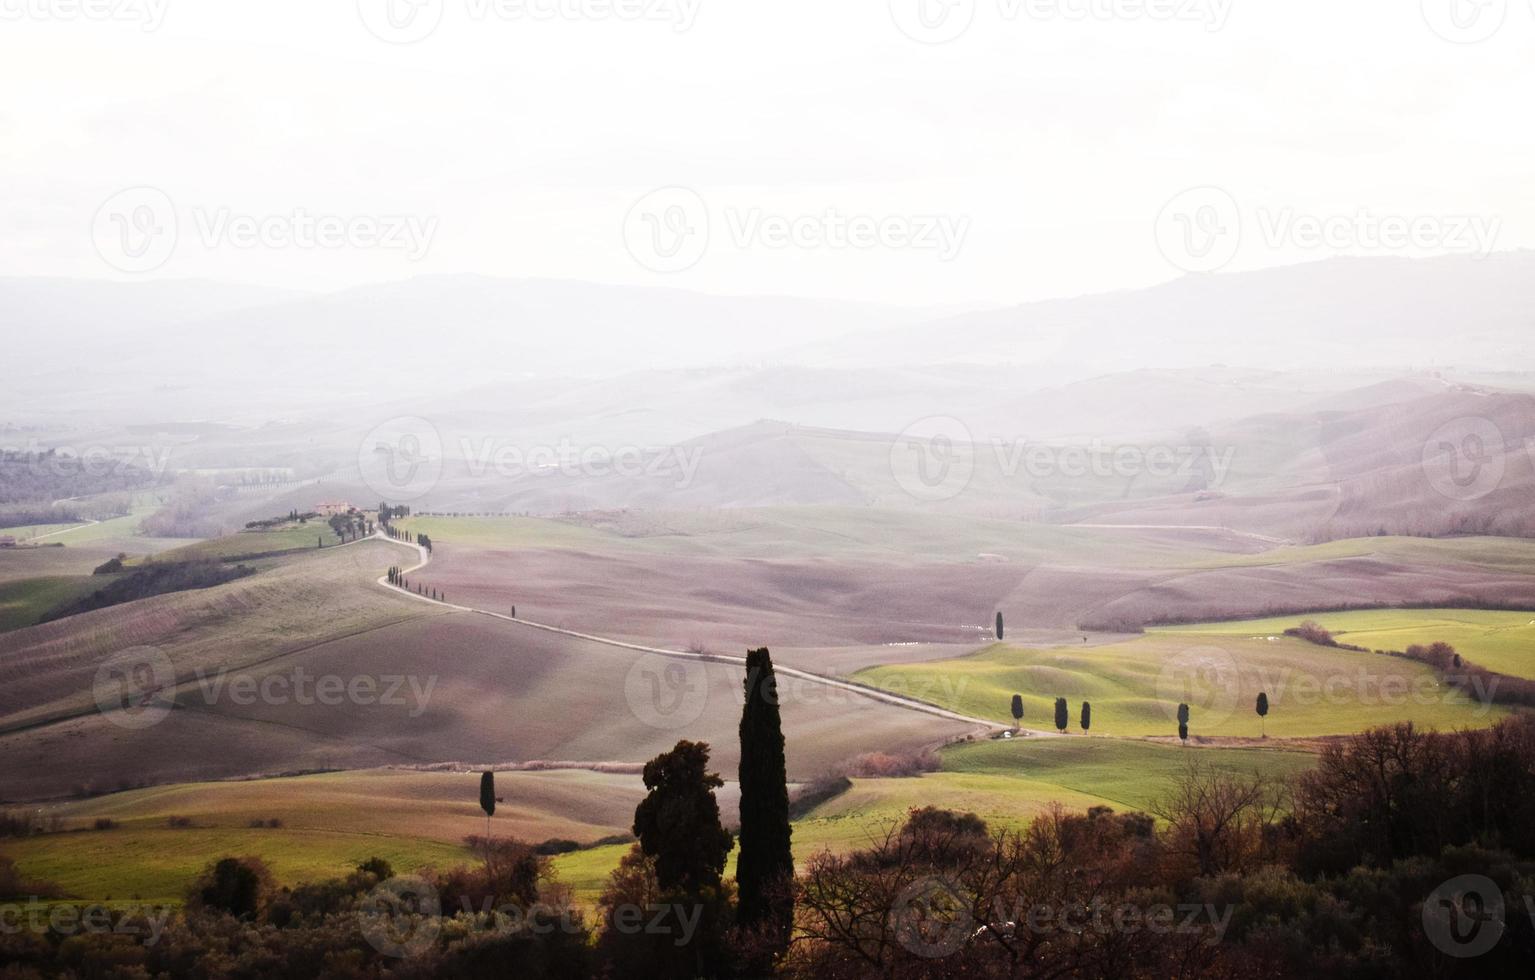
(475, 690)
(838, 617)
(730, 604)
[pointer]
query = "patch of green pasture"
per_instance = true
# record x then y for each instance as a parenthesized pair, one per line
(1135, 687)
(157, 865)
(299, 537)
(1127, 774)
(1498, 640)
(23, 602)
(509, 532)
(1516, 554)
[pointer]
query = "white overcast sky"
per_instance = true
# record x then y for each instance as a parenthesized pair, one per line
(528, 141)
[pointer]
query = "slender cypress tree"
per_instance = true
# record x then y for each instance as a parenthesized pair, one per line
(765, 867)
(1018, 708)
(999, 626)
(1062, 714)
(488, 796)
(1087, 715)
(1263, 712)
(488, 804)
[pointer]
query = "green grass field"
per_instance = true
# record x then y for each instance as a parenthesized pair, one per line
(329, 823)
(157, 865)
(1516, 554)
(115, 528)
(23, 602)
(294, 538)
(28, 533)
(1500, 641)
(1122, 773)
(333, 821)
(1135, 686)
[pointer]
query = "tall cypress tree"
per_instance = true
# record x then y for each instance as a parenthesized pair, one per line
(765, 867)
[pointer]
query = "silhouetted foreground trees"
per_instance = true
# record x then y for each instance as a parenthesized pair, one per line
(1404, 853)
(1354, 870)
(765, 867)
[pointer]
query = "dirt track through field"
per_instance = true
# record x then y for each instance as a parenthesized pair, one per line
(873, 694)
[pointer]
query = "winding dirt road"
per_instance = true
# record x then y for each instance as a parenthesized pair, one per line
(874, 694)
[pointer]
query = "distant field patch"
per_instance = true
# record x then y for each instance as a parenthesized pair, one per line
(157, 864)
(23, 603)
(1500, 641)
(1135, 686)
(328, 823)
(1125, 774)
(251, 543)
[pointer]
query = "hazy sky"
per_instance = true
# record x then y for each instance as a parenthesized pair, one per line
(911, 151)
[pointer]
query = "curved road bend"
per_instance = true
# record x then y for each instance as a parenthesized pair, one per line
(874, 694)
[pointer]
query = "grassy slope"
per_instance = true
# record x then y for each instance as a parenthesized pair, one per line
(302, 598)
(23, 603)
(1135, 686)
(1125, 774)
(293, 538)
(1507, 553)
(24, 600)
(156, 865)
(330, 822)
(417, 819)
(1500, 641)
